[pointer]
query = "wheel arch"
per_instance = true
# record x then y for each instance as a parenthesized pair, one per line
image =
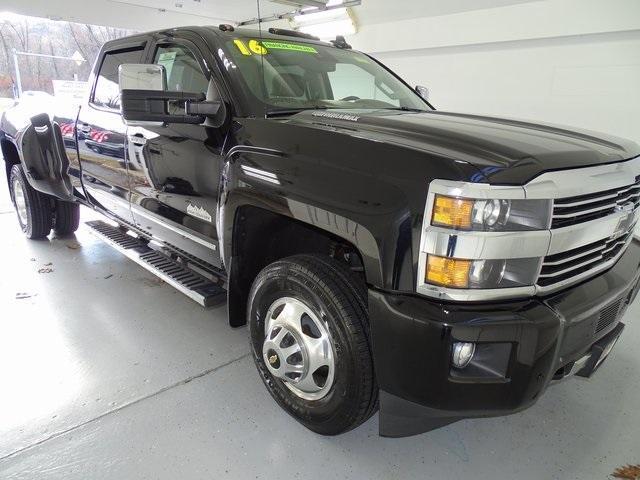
(261, 236)
(250, 211)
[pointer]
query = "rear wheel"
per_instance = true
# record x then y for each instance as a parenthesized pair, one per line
(310, 340)
(67, 217)
(33, 208)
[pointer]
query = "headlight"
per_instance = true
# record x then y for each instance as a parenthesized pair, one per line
(461, 273)
(482, 242)
(490, 214)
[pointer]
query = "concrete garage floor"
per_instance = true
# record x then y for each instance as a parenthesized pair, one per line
(107, 373)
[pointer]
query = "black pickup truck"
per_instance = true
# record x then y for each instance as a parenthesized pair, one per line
(434, 265)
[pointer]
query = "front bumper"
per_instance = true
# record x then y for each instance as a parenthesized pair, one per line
(544, 336)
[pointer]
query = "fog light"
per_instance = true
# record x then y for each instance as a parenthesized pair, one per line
(462, 353)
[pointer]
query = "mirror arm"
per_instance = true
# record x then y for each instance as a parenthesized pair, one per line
(151, 105)
(154, 106)
(209, 109)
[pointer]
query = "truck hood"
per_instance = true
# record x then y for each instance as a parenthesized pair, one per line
(504, 151)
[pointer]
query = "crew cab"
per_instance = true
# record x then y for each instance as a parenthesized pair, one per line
(432, 265)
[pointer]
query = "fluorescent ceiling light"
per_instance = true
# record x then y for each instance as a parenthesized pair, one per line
(302, 3)
(321, 17)
(330, 30)
(326, 24)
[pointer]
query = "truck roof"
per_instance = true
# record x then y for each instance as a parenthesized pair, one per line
(224, 34)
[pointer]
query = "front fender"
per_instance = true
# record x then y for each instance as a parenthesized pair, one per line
(243, 184)
(44, 158)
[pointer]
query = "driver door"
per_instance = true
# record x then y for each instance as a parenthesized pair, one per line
(174, 169)
(101, 134)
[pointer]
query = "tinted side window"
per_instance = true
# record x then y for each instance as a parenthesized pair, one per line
(106, 93)
(183, 70)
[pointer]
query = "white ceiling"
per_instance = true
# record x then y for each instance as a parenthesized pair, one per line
(232, 11)
(150, 14)
(369, 12)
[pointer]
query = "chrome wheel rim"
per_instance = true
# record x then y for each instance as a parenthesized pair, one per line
(20, 201)
(298, 349)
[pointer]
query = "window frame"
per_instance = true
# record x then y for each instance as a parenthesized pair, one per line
(110, 50)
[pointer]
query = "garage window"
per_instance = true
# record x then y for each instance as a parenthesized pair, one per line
(107, 91)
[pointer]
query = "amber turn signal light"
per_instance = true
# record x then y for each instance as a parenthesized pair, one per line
(452, 212)
(448, 272)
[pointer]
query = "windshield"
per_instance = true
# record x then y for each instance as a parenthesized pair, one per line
(297, 75)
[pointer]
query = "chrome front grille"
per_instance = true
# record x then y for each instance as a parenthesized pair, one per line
(566, 265)
(583, 208)
(594, 213)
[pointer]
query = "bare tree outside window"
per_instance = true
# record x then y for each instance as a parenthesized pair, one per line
(42, 36)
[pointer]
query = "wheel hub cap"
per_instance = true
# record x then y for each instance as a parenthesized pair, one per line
(20, 201)
(298, 348)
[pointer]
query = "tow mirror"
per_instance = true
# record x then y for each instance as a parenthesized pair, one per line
(140, 76)
(144, 98)
(423, 92)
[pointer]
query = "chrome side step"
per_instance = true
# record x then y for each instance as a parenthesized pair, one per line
(199, 288)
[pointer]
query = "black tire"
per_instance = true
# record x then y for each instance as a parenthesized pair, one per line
(337, 296)
(38, 206)
(67, 217)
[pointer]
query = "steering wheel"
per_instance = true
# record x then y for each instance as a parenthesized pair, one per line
(350, 98)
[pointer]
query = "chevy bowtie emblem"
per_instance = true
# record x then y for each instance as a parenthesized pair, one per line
(273, 359)
(626, 221)
(625, 207)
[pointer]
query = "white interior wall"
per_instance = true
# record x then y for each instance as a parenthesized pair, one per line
(572, 62)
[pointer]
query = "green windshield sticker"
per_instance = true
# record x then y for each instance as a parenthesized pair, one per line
(296, 47)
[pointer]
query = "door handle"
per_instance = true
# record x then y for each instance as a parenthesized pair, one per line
(138, 140)
(84, 128)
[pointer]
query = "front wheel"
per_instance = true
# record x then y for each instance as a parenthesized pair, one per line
(33, 208)
(310, 340)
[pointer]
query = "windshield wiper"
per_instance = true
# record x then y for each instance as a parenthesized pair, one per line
(405, 109)
(276, 112)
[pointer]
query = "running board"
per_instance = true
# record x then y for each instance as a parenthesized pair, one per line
(197, 287)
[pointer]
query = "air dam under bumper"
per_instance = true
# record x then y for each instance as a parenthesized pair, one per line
(538, 339)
